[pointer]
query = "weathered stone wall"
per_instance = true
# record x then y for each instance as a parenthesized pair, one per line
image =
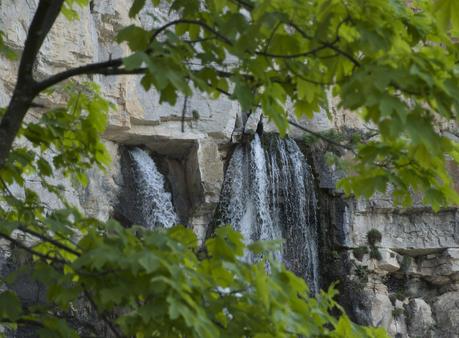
(138, 118)
(412, 290)
(408, 282)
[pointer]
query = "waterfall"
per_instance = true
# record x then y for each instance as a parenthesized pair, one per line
(146, 202)
(268, 194)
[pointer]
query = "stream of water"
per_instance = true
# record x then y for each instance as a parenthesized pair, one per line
(153, 203)
(268, 194)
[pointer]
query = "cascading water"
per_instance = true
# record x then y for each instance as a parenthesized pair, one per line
(147, 203)
(269, 194)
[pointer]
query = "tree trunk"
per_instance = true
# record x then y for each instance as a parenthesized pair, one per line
(26, 88)
(11, 122)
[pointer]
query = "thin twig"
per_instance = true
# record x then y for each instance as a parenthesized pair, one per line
(295, 124)
(103, 316)
(92, 68)
(190, 22)
(322, 137)
(268, 42)
(31, 251)
(319, 83)
(6, 187)
(49, 240)
(293, 56)
(185, 102)
(22, 321)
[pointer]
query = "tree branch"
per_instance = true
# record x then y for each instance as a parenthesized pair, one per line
(319, 135)
(42, 22)
(49, 240)
(107, 68)
(104, 317)
(319, 83)
(268, 42)
(293, 56)
(22, 321)
(330, 45)
(31, 251)
(192, 22)
(92, 68)
(185, 102)
(343, 53)
(25, 89)
(244, 4)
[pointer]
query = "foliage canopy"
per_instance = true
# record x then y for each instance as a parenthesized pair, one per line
(394, 65)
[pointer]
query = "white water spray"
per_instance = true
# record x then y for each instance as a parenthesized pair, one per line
(269, 195)
(153, 201)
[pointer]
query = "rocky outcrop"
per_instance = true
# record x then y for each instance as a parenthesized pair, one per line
(447, 314)
(419, 318)
(193, 151)
(398, 268)
(418, 263)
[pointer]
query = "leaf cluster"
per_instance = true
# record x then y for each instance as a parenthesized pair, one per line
(392, 63)
(136, 282)
(152, 283)
(69, 11)
(5, 50)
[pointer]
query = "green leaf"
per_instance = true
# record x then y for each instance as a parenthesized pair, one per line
(136, 7)
(44, 167)
(149, 262)
(136, 37)
(5, 50)
(56, 328)
(135, 60)
(243, 93)
(447, 13)
(10, 306)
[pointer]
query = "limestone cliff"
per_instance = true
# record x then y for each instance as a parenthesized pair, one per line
(411, 288)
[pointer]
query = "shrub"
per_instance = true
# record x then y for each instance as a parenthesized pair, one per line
(375, 254)
(373, 237)
(360, 251)
(398, 312)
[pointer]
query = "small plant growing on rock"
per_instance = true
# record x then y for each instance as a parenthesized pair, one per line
(335, 255)
(392, 298)
(375, 254)
(400, 295)
(373, 237)
(359, 252)
(195, 115)
(406, 263)
(362, 273)
(398, 312)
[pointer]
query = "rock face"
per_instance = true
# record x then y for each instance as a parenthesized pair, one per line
(408, 282)
(421, 271)
(193, 156)
(419, 318)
